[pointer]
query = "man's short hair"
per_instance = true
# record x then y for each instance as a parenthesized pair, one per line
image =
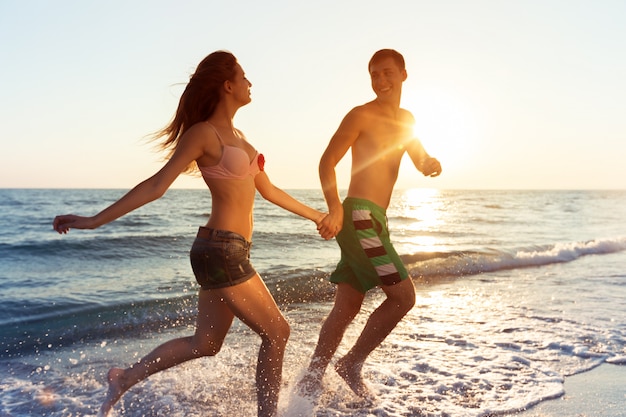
(388, 53)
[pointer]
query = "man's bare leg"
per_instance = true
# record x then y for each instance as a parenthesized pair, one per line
(400, 299)
(347, 305)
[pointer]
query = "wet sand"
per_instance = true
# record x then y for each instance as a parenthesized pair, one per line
(600, 392)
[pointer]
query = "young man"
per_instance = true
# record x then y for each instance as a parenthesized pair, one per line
(378, 134)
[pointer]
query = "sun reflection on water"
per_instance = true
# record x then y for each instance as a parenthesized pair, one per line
(421, 214)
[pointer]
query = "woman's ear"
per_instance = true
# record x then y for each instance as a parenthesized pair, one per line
(227, 86)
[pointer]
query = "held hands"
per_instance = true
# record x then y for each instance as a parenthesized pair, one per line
(431, 167)
(63, 224)
(330, 225)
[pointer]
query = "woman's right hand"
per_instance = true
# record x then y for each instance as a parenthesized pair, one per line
(331, 225)
(62, 224)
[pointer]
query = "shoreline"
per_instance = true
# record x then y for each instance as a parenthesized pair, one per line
(599, 392)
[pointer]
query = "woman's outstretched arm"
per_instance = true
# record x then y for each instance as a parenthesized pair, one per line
(188, 150)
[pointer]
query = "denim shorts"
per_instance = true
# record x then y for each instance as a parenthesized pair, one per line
(220, 258)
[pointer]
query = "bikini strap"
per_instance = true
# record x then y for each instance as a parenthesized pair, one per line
(216, 133)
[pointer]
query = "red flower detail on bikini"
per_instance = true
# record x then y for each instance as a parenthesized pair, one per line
(261, 161)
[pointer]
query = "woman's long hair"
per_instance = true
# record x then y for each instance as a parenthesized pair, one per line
(199, 100)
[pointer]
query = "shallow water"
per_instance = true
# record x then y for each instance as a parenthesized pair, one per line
(515, 291)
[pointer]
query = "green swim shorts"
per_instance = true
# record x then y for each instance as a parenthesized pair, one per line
(368, 258)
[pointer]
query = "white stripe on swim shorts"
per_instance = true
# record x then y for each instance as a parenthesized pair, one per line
(361, 215)
(386, 269)
(371, 242)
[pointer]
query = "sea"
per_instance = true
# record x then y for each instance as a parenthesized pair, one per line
(516, 291)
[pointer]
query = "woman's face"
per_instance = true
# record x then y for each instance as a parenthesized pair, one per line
(241, 86)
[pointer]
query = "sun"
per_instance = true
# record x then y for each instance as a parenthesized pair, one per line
(445, 125)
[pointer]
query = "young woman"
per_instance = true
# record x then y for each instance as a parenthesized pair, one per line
(202, 135)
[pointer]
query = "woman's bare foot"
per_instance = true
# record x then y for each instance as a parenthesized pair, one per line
(117, 388)
(351, 373)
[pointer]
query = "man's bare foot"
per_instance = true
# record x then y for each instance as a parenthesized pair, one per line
(351, 373)
(117, 388)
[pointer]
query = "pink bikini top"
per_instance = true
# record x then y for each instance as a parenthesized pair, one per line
(234, 163)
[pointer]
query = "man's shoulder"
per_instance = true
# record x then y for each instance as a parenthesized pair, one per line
(407, 115)
(362, 110)
(368, 111)
(371, 107)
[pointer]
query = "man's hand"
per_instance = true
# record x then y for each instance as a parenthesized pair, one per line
(331, 224)
(431, 167)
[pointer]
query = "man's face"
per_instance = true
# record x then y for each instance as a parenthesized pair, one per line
(387, 78)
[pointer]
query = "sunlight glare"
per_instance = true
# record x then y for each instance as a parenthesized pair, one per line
(421, 209)
(444, 124)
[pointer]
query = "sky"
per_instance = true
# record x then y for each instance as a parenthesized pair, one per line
(526, 94)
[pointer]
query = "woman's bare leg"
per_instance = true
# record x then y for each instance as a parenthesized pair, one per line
(253, 304)
(214, 320)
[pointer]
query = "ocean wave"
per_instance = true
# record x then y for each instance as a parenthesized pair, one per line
(128, 245)
(102, 247)
(64, 324)
(465, 263)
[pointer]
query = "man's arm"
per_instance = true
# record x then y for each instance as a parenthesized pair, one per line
(424, 163)
(339, 144)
